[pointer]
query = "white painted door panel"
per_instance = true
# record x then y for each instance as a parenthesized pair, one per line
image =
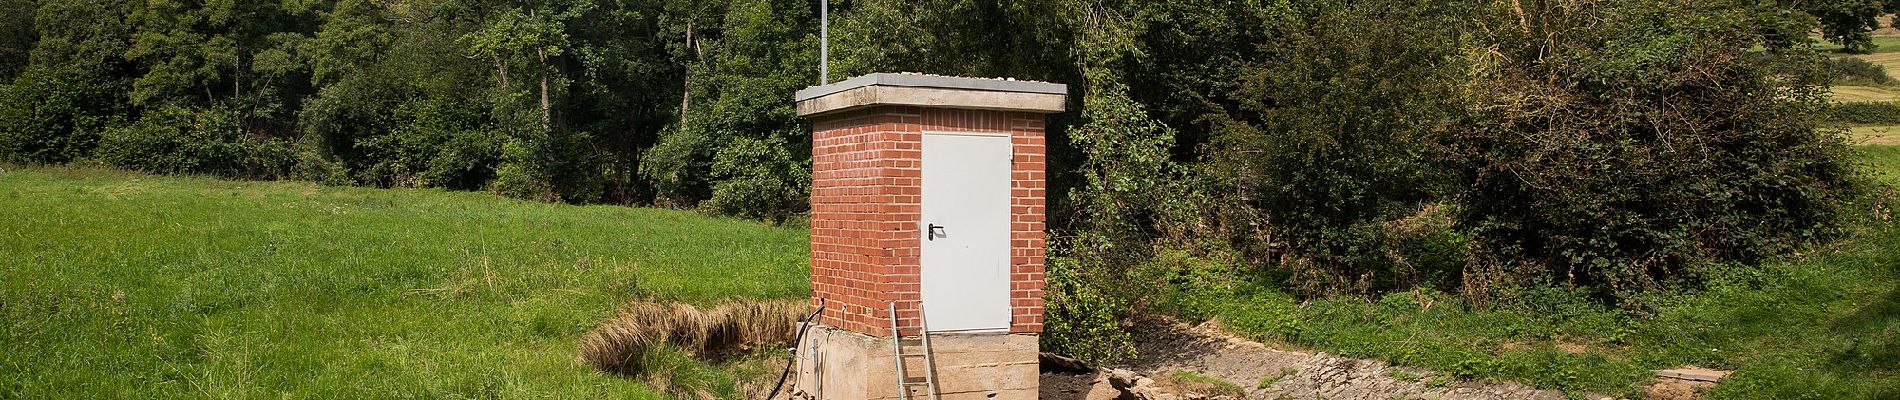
(965, 260)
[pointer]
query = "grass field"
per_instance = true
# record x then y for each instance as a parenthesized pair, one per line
(1824, 325)
(1886, 43)
(1884, 135)
(1890, 60)
(120, 285)
(1865, 94)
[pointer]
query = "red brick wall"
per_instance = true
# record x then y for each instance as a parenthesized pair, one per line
(866, 188)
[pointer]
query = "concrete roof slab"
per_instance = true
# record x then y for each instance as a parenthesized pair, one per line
(933, 91)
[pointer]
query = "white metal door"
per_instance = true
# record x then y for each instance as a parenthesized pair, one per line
(965, 231)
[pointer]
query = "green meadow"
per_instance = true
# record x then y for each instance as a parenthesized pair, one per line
(123, 285)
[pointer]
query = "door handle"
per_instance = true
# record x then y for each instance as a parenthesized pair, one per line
(932, 232)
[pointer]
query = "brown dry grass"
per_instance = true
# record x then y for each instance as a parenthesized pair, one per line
(1195, 384)
(621, 344)
(1875, 135)
(1865, 94)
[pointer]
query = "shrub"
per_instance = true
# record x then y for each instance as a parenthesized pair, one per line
(518, 177)
(548, 165)
(269, 158)
(430, 143)
(1642, 147)
(54, 115)
(1865, 113)
(1338, 138)
(174, 140)
(1857, 71)
(1083, 320)
(314, 167)
(179, 140)
(672, 166)
(758, 179)
(466, 160)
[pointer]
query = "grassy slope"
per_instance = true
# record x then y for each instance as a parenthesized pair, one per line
(122, 285)
(1885, 43)
(1886, 135)
(1823, 326)
(1865, 94)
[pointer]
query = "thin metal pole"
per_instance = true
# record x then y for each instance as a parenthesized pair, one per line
(824, 42)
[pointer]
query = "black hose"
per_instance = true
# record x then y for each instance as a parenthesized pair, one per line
(796, 341)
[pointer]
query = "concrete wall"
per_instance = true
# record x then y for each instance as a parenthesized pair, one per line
(974, 366)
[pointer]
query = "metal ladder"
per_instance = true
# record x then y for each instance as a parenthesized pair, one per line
(904, 382)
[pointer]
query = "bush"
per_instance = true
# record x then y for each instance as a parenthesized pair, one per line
(179, 140)
(175, 140)
(673, 166)
(466, 160)
(54, 115)
(1865, 113)
(430, 143)
(1338, 138)
(1084, 321)
(1643, 148)
(549, 166)
(314, 167)
(1857, 71)
(758, 179)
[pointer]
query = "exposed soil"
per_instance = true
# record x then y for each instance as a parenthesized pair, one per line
(1268, 373)
(1091, 386)
(1676, 389)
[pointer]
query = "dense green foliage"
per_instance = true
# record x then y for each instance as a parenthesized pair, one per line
(575, 101)
(1815, 327)
(1865, 113)
(1853, 70)
(1335, 133)
(117, 284)
(1642, 145)
(1640, 150)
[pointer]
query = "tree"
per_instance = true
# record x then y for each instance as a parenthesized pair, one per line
(16, 36)
(627, 86)
(54, 110)
(737, 100)
(1847, 22)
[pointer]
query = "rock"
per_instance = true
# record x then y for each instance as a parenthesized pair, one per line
(1052, 362)
(1123, 379)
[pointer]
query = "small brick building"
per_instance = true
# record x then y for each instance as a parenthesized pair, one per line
(928, 196)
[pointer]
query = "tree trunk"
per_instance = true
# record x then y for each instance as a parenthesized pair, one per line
(501, 69)
(547, 113)
(686, 87)
(546, 109)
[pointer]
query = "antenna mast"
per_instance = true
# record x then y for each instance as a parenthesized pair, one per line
(824, 42)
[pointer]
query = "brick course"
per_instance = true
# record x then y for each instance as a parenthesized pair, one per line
(865, 204)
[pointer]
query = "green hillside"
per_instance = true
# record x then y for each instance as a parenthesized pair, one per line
(120, 285)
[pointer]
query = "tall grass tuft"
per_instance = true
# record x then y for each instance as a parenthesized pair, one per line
(627, 343)
(738, 327)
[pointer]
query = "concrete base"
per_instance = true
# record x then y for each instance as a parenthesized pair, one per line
(835, 364)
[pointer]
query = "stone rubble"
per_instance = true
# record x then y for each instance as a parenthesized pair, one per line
(1267, 373)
